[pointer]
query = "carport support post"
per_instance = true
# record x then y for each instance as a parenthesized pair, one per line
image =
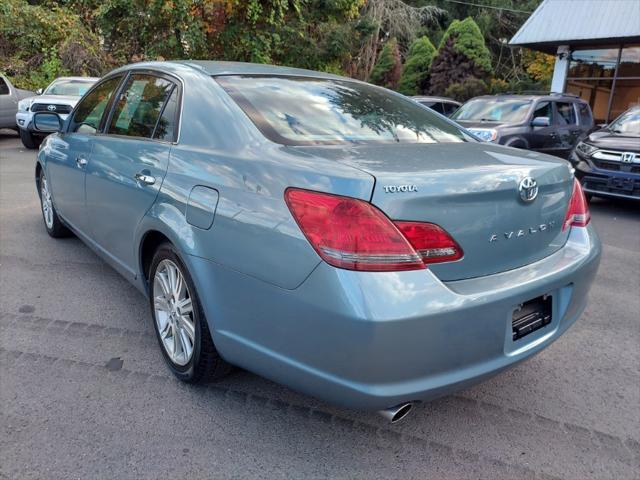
(560, 69)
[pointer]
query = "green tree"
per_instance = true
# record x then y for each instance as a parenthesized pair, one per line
(416, 68)
(39, 43)
(462, 55)
(388, 69)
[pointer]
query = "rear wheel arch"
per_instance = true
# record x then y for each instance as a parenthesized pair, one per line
(148, 246)
(38, 171)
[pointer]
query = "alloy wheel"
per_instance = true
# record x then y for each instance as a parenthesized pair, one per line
(173, 311)
(47, 204)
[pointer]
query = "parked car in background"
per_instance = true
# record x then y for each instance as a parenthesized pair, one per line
(319, 231)
(9, 98)
(59, 97)
(443, 105)
(551, 124)
(607, 162)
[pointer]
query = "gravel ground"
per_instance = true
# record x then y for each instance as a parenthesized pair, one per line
(84, 392)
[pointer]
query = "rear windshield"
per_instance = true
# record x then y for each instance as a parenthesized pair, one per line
(493, 110)
(313, 111)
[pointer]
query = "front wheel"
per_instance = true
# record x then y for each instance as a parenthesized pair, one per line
(53, 224)
(29, 140)
(179, 321)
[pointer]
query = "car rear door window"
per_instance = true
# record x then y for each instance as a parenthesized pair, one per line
(139, 107)
(566, 113)
(585, 114)
(166, 129)
(89, 111)
(449, 108)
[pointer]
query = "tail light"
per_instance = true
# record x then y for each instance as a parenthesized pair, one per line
(431, 241)
(578, 212)
(353, 234)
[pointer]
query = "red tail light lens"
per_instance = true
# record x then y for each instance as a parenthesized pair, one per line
(349, 233)
(353, 234)
(431, 241)
(578, 212)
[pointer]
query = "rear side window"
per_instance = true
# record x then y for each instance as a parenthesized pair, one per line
(4, 88)
(543, 109)
(139, 107)
(566, 113)
(167, 123)
(449, 108)
(91, 108)
(317, 111)
(585, 114)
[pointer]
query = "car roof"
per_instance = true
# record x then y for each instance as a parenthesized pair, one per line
(429, 98)
(86, 79)
(216, 68)
(550, 97)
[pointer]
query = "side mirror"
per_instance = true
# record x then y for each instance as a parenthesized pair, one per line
(46, 122)
(541, 122)
(39, 91)
(602, 125)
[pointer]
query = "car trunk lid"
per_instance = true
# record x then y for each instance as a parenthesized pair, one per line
(472, 191)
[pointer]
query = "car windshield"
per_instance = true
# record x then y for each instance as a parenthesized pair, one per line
(493, 110)
(69, 87)
(628, 123)
(314, 111)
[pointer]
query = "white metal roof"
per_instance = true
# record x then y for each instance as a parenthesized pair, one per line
(561, 22)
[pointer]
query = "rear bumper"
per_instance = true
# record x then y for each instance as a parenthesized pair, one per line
(607, 183)
(373, 340)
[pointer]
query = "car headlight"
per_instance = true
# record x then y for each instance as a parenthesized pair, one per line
(485, 134)
(24, 105)
(585, 149)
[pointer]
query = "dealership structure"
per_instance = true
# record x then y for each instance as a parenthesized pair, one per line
(597, 49)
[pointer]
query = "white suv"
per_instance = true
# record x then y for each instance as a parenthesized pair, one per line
(59, 97)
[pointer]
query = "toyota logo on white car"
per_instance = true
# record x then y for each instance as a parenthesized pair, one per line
(51, 108)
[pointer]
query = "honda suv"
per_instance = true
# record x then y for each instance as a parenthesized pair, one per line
(607, 162)
(551, 124)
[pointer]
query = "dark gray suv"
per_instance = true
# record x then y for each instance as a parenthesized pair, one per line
(552, 123)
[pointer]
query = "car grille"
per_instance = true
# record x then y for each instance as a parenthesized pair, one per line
(56, 108)
(616, 167)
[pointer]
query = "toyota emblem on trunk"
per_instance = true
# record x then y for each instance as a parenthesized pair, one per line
(51, 108)
(528, 189)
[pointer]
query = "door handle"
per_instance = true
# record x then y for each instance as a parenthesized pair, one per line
(144, 178)
(81, 162)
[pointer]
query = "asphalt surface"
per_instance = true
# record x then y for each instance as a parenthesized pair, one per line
(84, 392)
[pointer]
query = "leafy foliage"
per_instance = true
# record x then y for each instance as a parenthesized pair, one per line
(467, 89)
(388, 68)
(42, 39)
(468, 40)
(416, 68)
(462, 56)
(39, 43)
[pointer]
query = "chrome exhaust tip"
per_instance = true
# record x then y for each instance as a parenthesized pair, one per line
(397, 413)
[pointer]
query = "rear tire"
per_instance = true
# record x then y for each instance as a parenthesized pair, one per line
(52, 223)
(179, 322)
(29, 140)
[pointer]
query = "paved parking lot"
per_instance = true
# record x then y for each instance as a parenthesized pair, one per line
(84, 392)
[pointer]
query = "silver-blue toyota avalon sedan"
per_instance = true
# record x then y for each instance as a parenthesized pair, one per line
(328, 234)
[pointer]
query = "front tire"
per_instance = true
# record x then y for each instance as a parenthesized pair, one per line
(29, 140)
(179, 322)
(54, 226)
